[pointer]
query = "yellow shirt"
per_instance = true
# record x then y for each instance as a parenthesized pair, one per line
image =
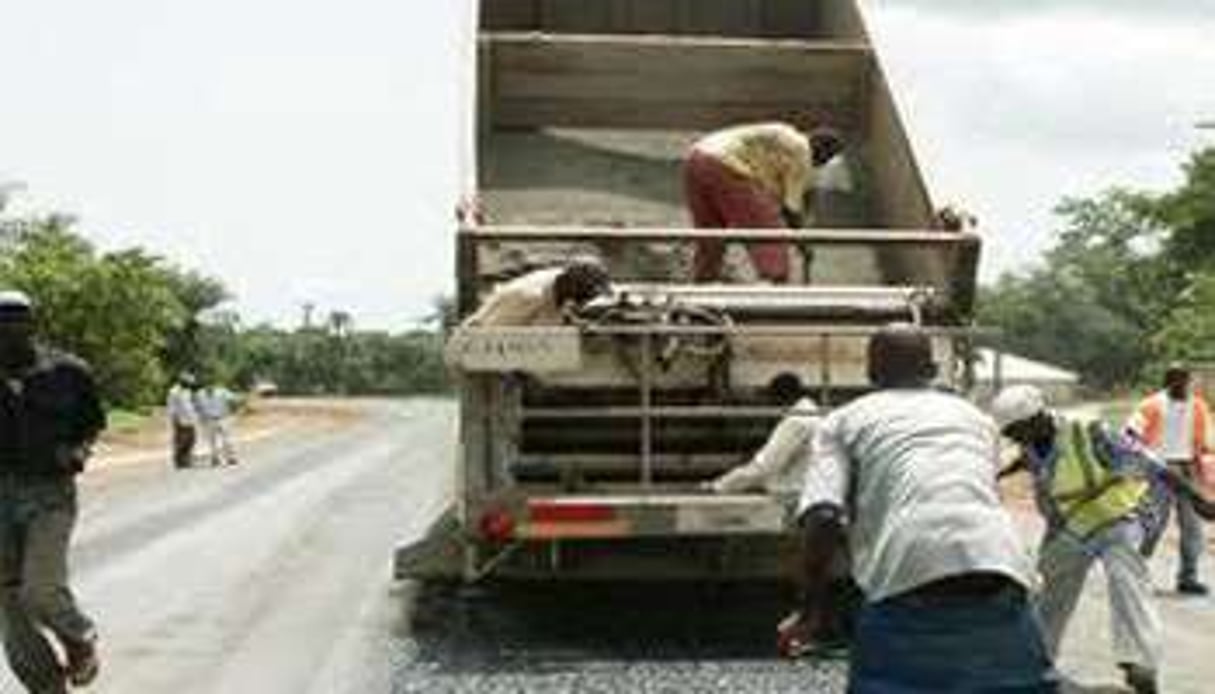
(774, 155)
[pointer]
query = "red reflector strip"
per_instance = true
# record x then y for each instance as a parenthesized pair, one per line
(590, 530)
(558, 512)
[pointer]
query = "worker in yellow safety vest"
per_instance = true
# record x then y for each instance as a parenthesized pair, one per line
(1102, 494)
(1175, 423)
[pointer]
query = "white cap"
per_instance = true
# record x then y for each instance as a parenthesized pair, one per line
(1017, 404)
(12, 298)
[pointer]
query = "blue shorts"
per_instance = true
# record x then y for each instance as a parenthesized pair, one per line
(985, 643)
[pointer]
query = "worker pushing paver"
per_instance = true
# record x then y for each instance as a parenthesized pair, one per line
(1175, 423)
(1103, 496)
(908, 475)
(753, 176)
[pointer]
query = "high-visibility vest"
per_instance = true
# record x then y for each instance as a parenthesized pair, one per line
(1086, 493)
(1148, 421)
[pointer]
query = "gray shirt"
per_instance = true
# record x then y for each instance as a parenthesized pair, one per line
(916, 472)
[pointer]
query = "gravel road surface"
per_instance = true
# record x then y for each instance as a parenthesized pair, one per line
(274, 576)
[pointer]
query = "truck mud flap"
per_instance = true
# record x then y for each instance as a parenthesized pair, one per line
(437, 555)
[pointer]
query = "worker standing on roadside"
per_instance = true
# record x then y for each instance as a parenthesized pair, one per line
(753, 176)
(908, 475)
(215, 415)
(1175, 424)
(1101, 496)
(182, 411)
(50, 414)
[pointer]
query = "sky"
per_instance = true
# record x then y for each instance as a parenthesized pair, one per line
(309, 152)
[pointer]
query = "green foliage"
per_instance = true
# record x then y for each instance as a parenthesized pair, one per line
(112, 309)
(311, 361)
(1126, 286)
(140, 320)
(1189, 330)
(1189, 212)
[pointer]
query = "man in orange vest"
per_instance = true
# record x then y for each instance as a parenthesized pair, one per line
(1175, 423)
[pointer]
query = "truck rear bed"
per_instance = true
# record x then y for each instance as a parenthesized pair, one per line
(583, 448)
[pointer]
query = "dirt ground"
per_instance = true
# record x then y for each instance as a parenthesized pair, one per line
(262, 420)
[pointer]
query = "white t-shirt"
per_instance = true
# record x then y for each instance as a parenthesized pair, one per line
(180, 406)
(916, 472)
(1178, 440)
(524, 300)
(780, 465)
(215, 403)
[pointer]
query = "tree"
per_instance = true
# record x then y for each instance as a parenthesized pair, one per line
(1189, 214)
(1126, 286)
(1101, 288)
(1189, 330)
(113, 309)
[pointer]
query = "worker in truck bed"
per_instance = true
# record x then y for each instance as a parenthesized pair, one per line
(753, 176)
(907, 475)
(541, 297)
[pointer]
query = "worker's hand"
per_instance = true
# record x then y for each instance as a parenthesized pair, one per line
(793, 634)
(805, 633)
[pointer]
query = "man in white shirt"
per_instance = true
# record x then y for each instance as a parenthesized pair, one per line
(908, 476)
(183, 419)
(780, 465)
(215, 411)
(541, 297)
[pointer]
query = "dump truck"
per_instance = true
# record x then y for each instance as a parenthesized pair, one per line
(583, 448)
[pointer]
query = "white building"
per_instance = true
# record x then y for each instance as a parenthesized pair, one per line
(1060, 385)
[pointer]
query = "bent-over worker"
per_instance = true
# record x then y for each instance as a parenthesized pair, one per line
(780, 464)
(1102, 496)
(908, 475)
(541, 297)
(752, 176)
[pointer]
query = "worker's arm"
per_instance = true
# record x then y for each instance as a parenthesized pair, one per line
(793, 219)
(788, 440)
(822, 513)
(1021, 463)
(822, 537)
(1152, 464)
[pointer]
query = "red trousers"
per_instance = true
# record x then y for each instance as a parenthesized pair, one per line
(720, 198)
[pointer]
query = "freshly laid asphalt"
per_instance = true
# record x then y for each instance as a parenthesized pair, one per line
(275, 576)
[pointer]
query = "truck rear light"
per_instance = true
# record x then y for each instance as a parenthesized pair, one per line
(559, 512)
(497, 525)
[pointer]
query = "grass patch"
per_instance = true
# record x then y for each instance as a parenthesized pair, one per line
(121, 420)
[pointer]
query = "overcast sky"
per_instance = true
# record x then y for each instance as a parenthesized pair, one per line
(307, 151)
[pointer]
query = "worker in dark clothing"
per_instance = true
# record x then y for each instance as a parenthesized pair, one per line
(50, 414)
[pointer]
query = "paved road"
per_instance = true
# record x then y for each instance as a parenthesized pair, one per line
(274, 577)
